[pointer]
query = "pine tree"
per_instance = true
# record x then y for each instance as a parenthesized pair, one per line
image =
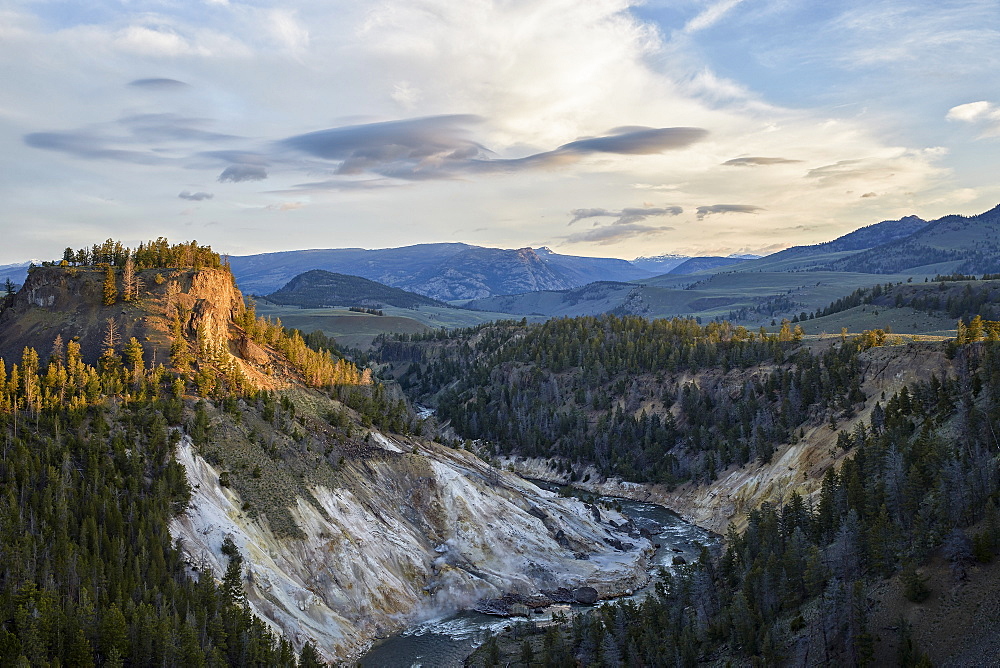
(58, 350)
(309, 657)
(133, 356)
(110, 286)
(232, 582)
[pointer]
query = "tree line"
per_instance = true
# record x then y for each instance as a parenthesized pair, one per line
(618, 393)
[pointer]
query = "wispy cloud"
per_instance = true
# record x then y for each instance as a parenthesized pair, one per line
(86, 145)
(757, 162)
(627, 215)
(983, 114)
(158, 84)
(849, 170)
(285, 206)
(610, 234)
(195, 197)
(713, 209)
(241, 173)
(148, 139)
(711, 15)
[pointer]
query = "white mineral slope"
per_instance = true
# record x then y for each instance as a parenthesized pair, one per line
(416, 531)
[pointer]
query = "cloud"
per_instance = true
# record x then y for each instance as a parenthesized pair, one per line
(165, 38)
(415, 137)
(620, 141)
(439, 147)
(846, 171)
(754, 162)
(82, 144)
(984, 114)
(339, 185)
(627, 215)
(403, 148)
(710, 16)
(412, 149)
(869, 194)
(158, 127)
(726, 208)
(285, 206)
(195, 197)
(638, 141)
(136, 139)
(158, 84)
(241, 173)
(614, 233)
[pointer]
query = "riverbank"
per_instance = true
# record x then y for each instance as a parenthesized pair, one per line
(448, 640)
(715, 506)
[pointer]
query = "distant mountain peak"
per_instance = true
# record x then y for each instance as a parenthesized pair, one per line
(664, 256)
(441, 271)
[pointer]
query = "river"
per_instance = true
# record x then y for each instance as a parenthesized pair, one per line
(447, 640)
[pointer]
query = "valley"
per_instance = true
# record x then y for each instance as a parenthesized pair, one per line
(531, 334)
(293, 479)
(298, 487)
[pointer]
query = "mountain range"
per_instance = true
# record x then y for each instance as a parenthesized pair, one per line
(460, 272)
(444, 271)
(801, 279)
(15, 273)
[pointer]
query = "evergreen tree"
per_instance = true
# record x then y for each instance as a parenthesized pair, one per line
(110, 286)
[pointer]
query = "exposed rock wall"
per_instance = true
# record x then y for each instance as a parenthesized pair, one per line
(69, 302)
(408, 536)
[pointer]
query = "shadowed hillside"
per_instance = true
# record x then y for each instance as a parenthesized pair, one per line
(318, 288)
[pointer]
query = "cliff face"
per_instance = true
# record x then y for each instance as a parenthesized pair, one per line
(417, 531)
(69, 302)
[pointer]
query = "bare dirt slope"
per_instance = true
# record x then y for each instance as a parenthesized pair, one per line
(956, 626)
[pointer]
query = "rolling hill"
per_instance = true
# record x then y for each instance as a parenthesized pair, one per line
(318, 288)
(694, 265)
(968, 244)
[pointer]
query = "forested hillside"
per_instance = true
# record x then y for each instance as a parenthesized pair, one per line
(957, 296)
(620, 393)
(924, 474)
(309, 515)
(89, 574)
(969, 243)
(671, 401)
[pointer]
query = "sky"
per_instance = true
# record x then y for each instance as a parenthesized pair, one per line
(600, 128)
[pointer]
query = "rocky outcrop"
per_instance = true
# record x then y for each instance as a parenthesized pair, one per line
(409, 535)
(69, 302)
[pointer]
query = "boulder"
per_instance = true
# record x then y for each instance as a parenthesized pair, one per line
(585, 595)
